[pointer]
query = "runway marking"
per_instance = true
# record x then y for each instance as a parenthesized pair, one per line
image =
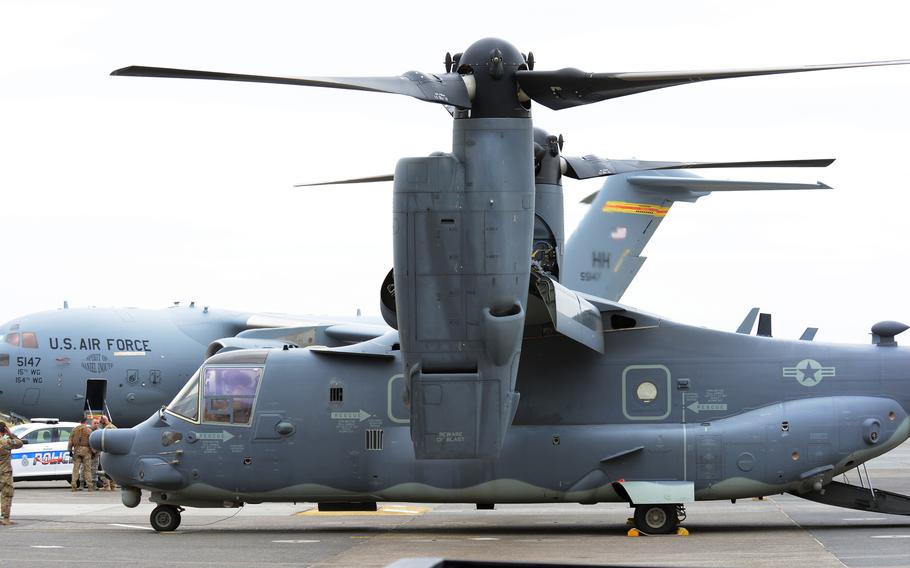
(865, 519)
(131, 526)
(46, 546)
(302, 541)
(388, 511)
(483, 538)
(892, 536)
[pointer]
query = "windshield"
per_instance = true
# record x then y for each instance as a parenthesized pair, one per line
(186, 403)
(229, 393)
(18, 430)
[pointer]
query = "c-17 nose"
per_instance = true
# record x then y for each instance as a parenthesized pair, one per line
(113, 441)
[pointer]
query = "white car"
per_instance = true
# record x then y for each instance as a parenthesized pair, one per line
(44, 454)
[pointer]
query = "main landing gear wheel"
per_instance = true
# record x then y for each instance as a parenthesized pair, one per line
(656, 519)
(165, 518)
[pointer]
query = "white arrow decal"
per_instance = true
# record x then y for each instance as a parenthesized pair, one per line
(360, 416)
(222, 436)
(696, 407)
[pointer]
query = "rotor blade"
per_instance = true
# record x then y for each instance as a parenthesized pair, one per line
(388, 177)
(448, 89)
(591, 166)
(569, 87)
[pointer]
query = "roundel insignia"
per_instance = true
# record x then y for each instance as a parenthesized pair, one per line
(808, 372)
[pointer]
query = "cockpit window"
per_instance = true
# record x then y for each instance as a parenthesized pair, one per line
(229, 393)
(4, 359)
(13, 339)
(186, 403)
(29, 340)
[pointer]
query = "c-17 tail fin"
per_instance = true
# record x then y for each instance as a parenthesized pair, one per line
(604, 254)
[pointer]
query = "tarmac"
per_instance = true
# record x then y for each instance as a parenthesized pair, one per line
(58, 528)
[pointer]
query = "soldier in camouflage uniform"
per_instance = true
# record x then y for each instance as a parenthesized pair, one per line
(105, 479)
(82, 454)
(96, 460)
(8, 442)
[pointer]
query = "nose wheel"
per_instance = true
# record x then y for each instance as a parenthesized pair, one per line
(165, 518)
(658, 519)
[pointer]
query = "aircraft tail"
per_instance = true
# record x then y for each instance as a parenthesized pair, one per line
(604, 254)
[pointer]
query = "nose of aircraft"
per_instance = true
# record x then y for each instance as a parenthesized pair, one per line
(113, 441)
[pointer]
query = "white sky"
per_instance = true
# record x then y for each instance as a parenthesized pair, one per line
(124, 191)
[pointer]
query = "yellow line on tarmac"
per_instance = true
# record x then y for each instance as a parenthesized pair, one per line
(386, 510)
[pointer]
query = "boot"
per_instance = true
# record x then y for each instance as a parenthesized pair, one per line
(6, 521)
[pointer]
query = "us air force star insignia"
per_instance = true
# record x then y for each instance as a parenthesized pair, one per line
(808, 372)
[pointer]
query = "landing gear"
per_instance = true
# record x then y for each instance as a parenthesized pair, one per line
(165, 518)
(658, 519)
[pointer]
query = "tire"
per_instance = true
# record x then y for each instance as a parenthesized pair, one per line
(165, 518)
(656, 519)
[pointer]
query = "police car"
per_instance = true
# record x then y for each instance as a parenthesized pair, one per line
(44, 455)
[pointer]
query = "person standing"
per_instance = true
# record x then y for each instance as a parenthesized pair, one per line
(96, 458)
(8, 442)
(82, 454)
(108, 482)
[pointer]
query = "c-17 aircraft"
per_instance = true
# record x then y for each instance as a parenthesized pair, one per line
(128, 362)
(501, 385)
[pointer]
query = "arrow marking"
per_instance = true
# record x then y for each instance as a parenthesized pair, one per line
(359, 416)
(697, 407)
(222, 436)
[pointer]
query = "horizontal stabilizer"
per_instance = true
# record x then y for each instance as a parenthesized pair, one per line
(696, 184)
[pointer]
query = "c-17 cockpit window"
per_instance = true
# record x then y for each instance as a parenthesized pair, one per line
(12, 339)
(29, 340)
(4, 359)
(186, 403)
(229, 393)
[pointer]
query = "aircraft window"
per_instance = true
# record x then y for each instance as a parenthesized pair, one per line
(229, 393)
(13, 339)
(4, 359)
(186, 403)
(29, 340)
(646, 392)
(41, 436)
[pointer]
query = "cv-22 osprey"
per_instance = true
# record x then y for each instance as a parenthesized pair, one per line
(615, 404)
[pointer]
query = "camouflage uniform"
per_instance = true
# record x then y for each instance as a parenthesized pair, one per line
(82, 455)
(96, 462)
(7, 442)
(106, 479)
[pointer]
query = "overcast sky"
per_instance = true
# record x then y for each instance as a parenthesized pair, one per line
(121, 191)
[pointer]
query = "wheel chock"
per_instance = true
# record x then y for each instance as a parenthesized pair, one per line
(633, 532)
(680, 531)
